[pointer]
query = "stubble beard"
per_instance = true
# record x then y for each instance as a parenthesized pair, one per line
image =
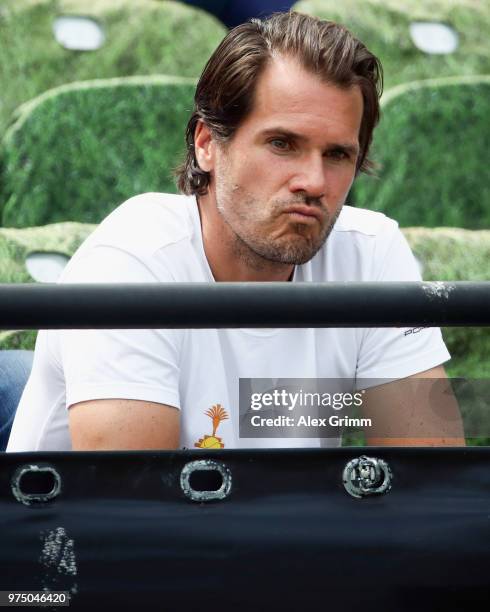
(259, 252)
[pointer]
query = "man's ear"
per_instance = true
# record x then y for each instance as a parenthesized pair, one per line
(204, 146)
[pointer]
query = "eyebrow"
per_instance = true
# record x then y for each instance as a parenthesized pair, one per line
(349, 147)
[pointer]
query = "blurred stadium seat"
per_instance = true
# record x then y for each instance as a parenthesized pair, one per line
(431, 146)
(384, 26)
(141, 38)
(16, 245)
(107, 140)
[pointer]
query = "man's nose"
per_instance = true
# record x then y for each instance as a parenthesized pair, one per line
(309, 176)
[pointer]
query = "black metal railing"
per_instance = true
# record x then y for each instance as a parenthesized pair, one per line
(227, 305)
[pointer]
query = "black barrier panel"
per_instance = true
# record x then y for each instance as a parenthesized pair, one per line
(123, 532)
(227, 305)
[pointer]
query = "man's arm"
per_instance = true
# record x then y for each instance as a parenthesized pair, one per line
(121, 424)
(414, 411)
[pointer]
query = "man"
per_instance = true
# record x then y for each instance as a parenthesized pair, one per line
(283, 119)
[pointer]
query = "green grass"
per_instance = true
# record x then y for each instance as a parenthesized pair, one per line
(142, 38)
(383, 26)
(107, 141)
(431, 147)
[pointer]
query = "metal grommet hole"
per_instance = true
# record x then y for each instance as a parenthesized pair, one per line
(205, 480)
(34, 483)
(367, 476)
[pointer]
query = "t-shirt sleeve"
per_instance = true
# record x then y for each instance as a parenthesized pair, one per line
(139, 364)
(392, 352)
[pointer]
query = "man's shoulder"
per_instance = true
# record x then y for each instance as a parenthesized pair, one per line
(356, 248)
(145, 223)
(363, 221)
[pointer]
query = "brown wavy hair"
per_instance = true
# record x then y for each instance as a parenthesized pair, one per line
(225, 92)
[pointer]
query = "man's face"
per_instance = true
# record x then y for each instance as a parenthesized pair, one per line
(281, 181)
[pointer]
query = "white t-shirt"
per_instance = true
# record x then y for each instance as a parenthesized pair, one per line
(157, 237)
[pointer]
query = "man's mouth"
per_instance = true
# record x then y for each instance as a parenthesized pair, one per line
(307, 214)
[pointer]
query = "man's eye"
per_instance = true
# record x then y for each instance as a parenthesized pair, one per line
(280, 144)
(338, 154)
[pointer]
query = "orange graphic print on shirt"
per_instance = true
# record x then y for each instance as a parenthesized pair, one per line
(217, 414)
